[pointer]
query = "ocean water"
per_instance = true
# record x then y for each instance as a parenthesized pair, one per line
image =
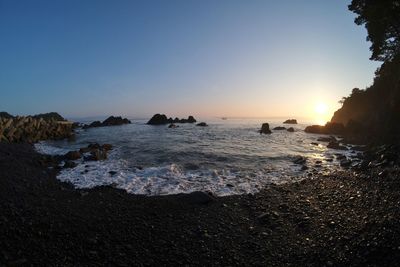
(227, 157)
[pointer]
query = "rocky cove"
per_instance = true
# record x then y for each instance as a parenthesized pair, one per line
(345, 218)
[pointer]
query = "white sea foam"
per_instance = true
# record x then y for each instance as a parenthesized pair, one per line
(223, 159)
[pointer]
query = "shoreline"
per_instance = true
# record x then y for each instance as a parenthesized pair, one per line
(344, 219)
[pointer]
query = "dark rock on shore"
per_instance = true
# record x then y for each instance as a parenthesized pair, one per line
(49, 116)
(96, 151)
(265, 129)
(6, 115)
(290, 121)
(160, 119)
(202, 124)
(290, 129)
(110, 121)
(329, 128)
(29, 129)
(336, 145)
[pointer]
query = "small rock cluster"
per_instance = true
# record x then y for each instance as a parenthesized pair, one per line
(160, 119)
(93, 152)
(290, 121)
(110, 121)
(29, 129)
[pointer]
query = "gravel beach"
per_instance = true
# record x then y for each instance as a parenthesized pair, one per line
(344, 219)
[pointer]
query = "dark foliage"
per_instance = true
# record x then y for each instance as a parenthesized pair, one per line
(382, 21)
(376, 110)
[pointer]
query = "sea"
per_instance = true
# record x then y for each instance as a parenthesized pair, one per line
(228, 157)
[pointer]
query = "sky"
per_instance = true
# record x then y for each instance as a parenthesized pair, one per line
(205, 58)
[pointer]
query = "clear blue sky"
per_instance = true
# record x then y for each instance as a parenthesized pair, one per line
(136, 58)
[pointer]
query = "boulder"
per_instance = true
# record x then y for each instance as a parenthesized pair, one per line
(202, 124)
(279, 128)
(158, 119)
(329, 128)
(290, 121)
(265, 129)
(290, 129)
(336, 145)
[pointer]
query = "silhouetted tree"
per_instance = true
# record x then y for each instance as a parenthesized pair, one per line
(382, 21)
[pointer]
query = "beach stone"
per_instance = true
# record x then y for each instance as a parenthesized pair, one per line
(265, 129)
(336, 145)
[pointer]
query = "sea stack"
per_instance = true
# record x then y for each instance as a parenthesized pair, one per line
(265, 129)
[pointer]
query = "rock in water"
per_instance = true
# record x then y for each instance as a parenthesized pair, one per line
(329, 128)
(172, 125)
(265, 129)
(279, 128)
(291, 129)
(158, 119)
(202, 124)
(290, 121)
(191, 119)
(110, 121)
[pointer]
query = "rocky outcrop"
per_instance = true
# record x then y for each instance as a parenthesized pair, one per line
(172, 125)
(160, 119)
(329, 128)
(265, 129)
(29, 129)
(110, 121)
(290, 121)
(290, 129)
(6, 115)
(49, 116)
(279, 128)
(202, 124)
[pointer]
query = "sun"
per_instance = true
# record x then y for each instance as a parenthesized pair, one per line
(321, 108)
